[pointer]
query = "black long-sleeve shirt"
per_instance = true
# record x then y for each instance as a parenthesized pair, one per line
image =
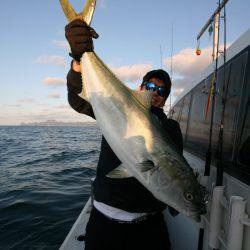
(128, 193)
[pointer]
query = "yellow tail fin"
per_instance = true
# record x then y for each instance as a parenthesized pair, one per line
(86, 14)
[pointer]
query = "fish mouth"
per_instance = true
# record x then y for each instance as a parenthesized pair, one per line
(202, 210)
(195, 214)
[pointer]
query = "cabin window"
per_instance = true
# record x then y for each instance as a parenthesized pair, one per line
(195, 126)
(243, 159)
(231, 117)
(184, 112)
(198, 126)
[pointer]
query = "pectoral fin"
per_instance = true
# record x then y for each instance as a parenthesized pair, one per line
(146, 165)
(119, 173)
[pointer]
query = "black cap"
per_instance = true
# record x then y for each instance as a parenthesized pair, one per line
(161, 75)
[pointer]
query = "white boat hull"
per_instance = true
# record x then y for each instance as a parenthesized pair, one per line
(71, 242)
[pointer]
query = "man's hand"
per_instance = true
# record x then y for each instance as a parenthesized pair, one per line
(79, 36)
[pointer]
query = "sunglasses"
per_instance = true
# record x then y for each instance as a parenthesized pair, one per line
(150, 86)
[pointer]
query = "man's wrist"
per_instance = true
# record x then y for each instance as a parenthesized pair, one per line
(75, 66)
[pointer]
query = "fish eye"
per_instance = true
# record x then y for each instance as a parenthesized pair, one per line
(189, 196)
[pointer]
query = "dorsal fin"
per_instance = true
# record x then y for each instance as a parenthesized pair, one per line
(146, 165)
(145, 98)
(86, 14)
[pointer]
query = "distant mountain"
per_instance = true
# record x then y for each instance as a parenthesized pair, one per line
(55, 123)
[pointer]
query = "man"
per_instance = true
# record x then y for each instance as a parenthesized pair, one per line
(125, 214)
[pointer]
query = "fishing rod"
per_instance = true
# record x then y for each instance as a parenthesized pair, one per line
(215, 19)
(213, 92)
(220, 168)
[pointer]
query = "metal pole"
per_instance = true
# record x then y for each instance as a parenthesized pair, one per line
(216, 35)
(211, 19)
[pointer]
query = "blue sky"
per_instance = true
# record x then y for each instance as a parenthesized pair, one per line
(34, 56)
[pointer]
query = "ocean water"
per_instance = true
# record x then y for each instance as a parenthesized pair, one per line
(44, 182)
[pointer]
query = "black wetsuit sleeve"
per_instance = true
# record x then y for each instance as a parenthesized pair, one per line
(74, 84)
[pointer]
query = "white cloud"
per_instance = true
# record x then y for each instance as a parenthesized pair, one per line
(27, 100)
(132, 73)
(186, 62)
(62, 106)
(51, 59)
(54, 81)
(177, 91)
(54, 95)
(187, 65)
(11, 105)
(61, 44)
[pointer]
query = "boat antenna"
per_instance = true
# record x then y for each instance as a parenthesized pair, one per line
(161, 56)
(171, 63)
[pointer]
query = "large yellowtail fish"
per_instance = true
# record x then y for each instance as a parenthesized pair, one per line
(135, 134)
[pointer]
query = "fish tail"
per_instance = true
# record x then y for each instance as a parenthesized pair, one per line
(86, 14)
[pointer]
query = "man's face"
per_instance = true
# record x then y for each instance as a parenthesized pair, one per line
(157, 100)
